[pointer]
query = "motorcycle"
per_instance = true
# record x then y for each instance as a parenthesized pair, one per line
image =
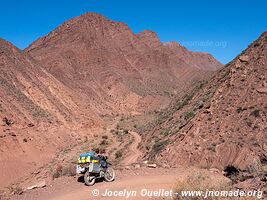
(95, 167)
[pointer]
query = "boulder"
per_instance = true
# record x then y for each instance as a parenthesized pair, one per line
(238, 64)
(215, 170)
(145, 162)
(40, 184)
(262, 90)
(137, 166)
(152, 165)
(244, 58)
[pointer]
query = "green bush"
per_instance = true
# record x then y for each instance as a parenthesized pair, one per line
(157, 147)
(189, 115)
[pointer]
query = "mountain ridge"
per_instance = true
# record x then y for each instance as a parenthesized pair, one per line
(92, 40)
(223, 121)
(65, 85)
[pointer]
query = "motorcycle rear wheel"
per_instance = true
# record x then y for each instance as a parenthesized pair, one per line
(88, 179)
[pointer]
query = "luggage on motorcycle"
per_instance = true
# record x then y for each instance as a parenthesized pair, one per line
(95, 161)
(88, 154)
(86, 157)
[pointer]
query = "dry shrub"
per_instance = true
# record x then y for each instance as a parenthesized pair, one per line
(105, 137)
(200, 181)
(57, 171)
(68, 170)
(15, 189)
(118, 154)
(64, 170)
(256, 168)
(99, 150)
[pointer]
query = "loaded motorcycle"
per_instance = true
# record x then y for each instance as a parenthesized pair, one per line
(94, 167)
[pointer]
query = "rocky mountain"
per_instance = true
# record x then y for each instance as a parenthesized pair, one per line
(36, 112)
(115, 69)
(56, 91)
(222, 122)
(30, 95)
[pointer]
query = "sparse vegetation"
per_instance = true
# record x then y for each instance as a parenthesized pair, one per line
(64, 170)
(231, 172)
(248, 122)
(68, 170)
(16, 189)
(99, 149)
(118, 154)
(198, 181)
(118, 127)
(256, 168)
(189, 115)
(239, 109)
(255, 113)
(115, 132)
(36, 110)
(105, 137)
(212, 148)
(103, 142)
(7, 121)
(157, 147)
(57, 172)
(256, 44)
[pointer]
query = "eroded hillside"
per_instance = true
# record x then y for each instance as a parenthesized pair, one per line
(37, 113)
(115, 69)
(221, 122)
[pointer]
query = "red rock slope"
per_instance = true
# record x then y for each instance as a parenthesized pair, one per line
(116, 69)
(34, 109)
(55, 91)
(222, 122)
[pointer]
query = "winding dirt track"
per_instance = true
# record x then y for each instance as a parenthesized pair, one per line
(68, 188)
(135, 181)
(133, 152)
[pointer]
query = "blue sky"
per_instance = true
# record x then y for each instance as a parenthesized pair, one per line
(222, 28)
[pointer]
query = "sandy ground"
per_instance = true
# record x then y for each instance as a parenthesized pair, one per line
(69, 188)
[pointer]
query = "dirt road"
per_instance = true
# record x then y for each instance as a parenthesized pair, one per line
(133, 184)
(133, 152)
(137, 180)
(130, 183)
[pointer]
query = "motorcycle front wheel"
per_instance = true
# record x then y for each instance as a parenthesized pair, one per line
(88, 179)
(109, 175)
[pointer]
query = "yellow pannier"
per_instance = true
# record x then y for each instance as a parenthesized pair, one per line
(82, 160)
